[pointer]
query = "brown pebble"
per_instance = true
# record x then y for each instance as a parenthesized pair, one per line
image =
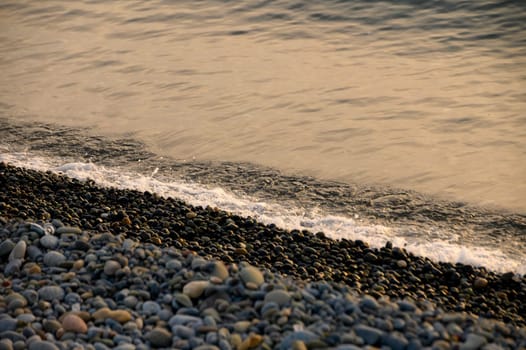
(77, 265)
(480, 283)
(401, 264)
(252, 341)
(299, 345)
(191, 215)
(74, 323)
(121, 316)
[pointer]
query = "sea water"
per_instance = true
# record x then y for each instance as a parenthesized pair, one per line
(426, 96)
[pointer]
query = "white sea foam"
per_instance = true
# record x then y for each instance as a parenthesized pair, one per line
(337, 227)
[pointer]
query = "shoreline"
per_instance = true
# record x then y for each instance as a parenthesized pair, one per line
(212, 233)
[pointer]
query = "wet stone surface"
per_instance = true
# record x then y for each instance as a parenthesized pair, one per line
(108, 213)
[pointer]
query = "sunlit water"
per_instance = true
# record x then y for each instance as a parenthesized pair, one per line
(422, 95)
(428, 96)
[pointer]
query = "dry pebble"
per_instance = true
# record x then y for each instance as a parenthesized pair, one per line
(133, 295)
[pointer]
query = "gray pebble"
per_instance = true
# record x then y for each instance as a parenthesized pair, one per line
(370, 335)
(19, 251)
(150, 308)
(278, 296)
(305, 336)
(473, 342)
(54, 258)
(111, 267)
(395, 341)
(51, 293)
(7, 324)
(26, 318)
(49, 241)
(183, 331)
(13, 267)
(6, 247)
(12, 335)
(33, 252)
(368, 302)
(130, 301)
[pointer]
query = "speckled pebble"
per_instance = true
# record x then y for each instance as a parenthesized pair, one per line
(51, 293)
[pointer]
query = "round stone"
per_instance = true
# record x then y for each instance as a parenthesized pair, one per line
(220, 271)
(401, 264)
(54, 258)
(111, 267)
(49, 241)
(73, 323)
(480, 283)
(151, 308)
(6, 247)
(159, 337)
(251, 274)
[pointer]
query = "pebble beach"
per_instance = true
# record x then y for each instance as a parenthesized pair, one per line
(85, 267)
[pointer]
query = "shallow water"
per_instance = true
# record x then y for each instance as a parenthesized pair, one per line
(441, 230)
(421, 95)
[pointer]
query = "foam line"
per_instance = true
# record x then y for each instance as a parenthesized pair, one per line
(333, 226)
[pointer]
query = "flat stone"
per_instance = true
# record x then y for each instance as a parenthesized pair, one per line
(251, 274)
(395, 341)
(121, 316)
(42, 345)
(68, 229)
(26, 318)
(183, 332)
(278, 296)
(195, 289)
(7, 324)
(369, 302)
(50, 293)
(184, 320)
(54, 258)
(473, 342)
(159, 337)
(183, 299)
(14, 336)
(370, 335)
(73, 323)
(304, 336)
(406, 305)
(19, 251)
